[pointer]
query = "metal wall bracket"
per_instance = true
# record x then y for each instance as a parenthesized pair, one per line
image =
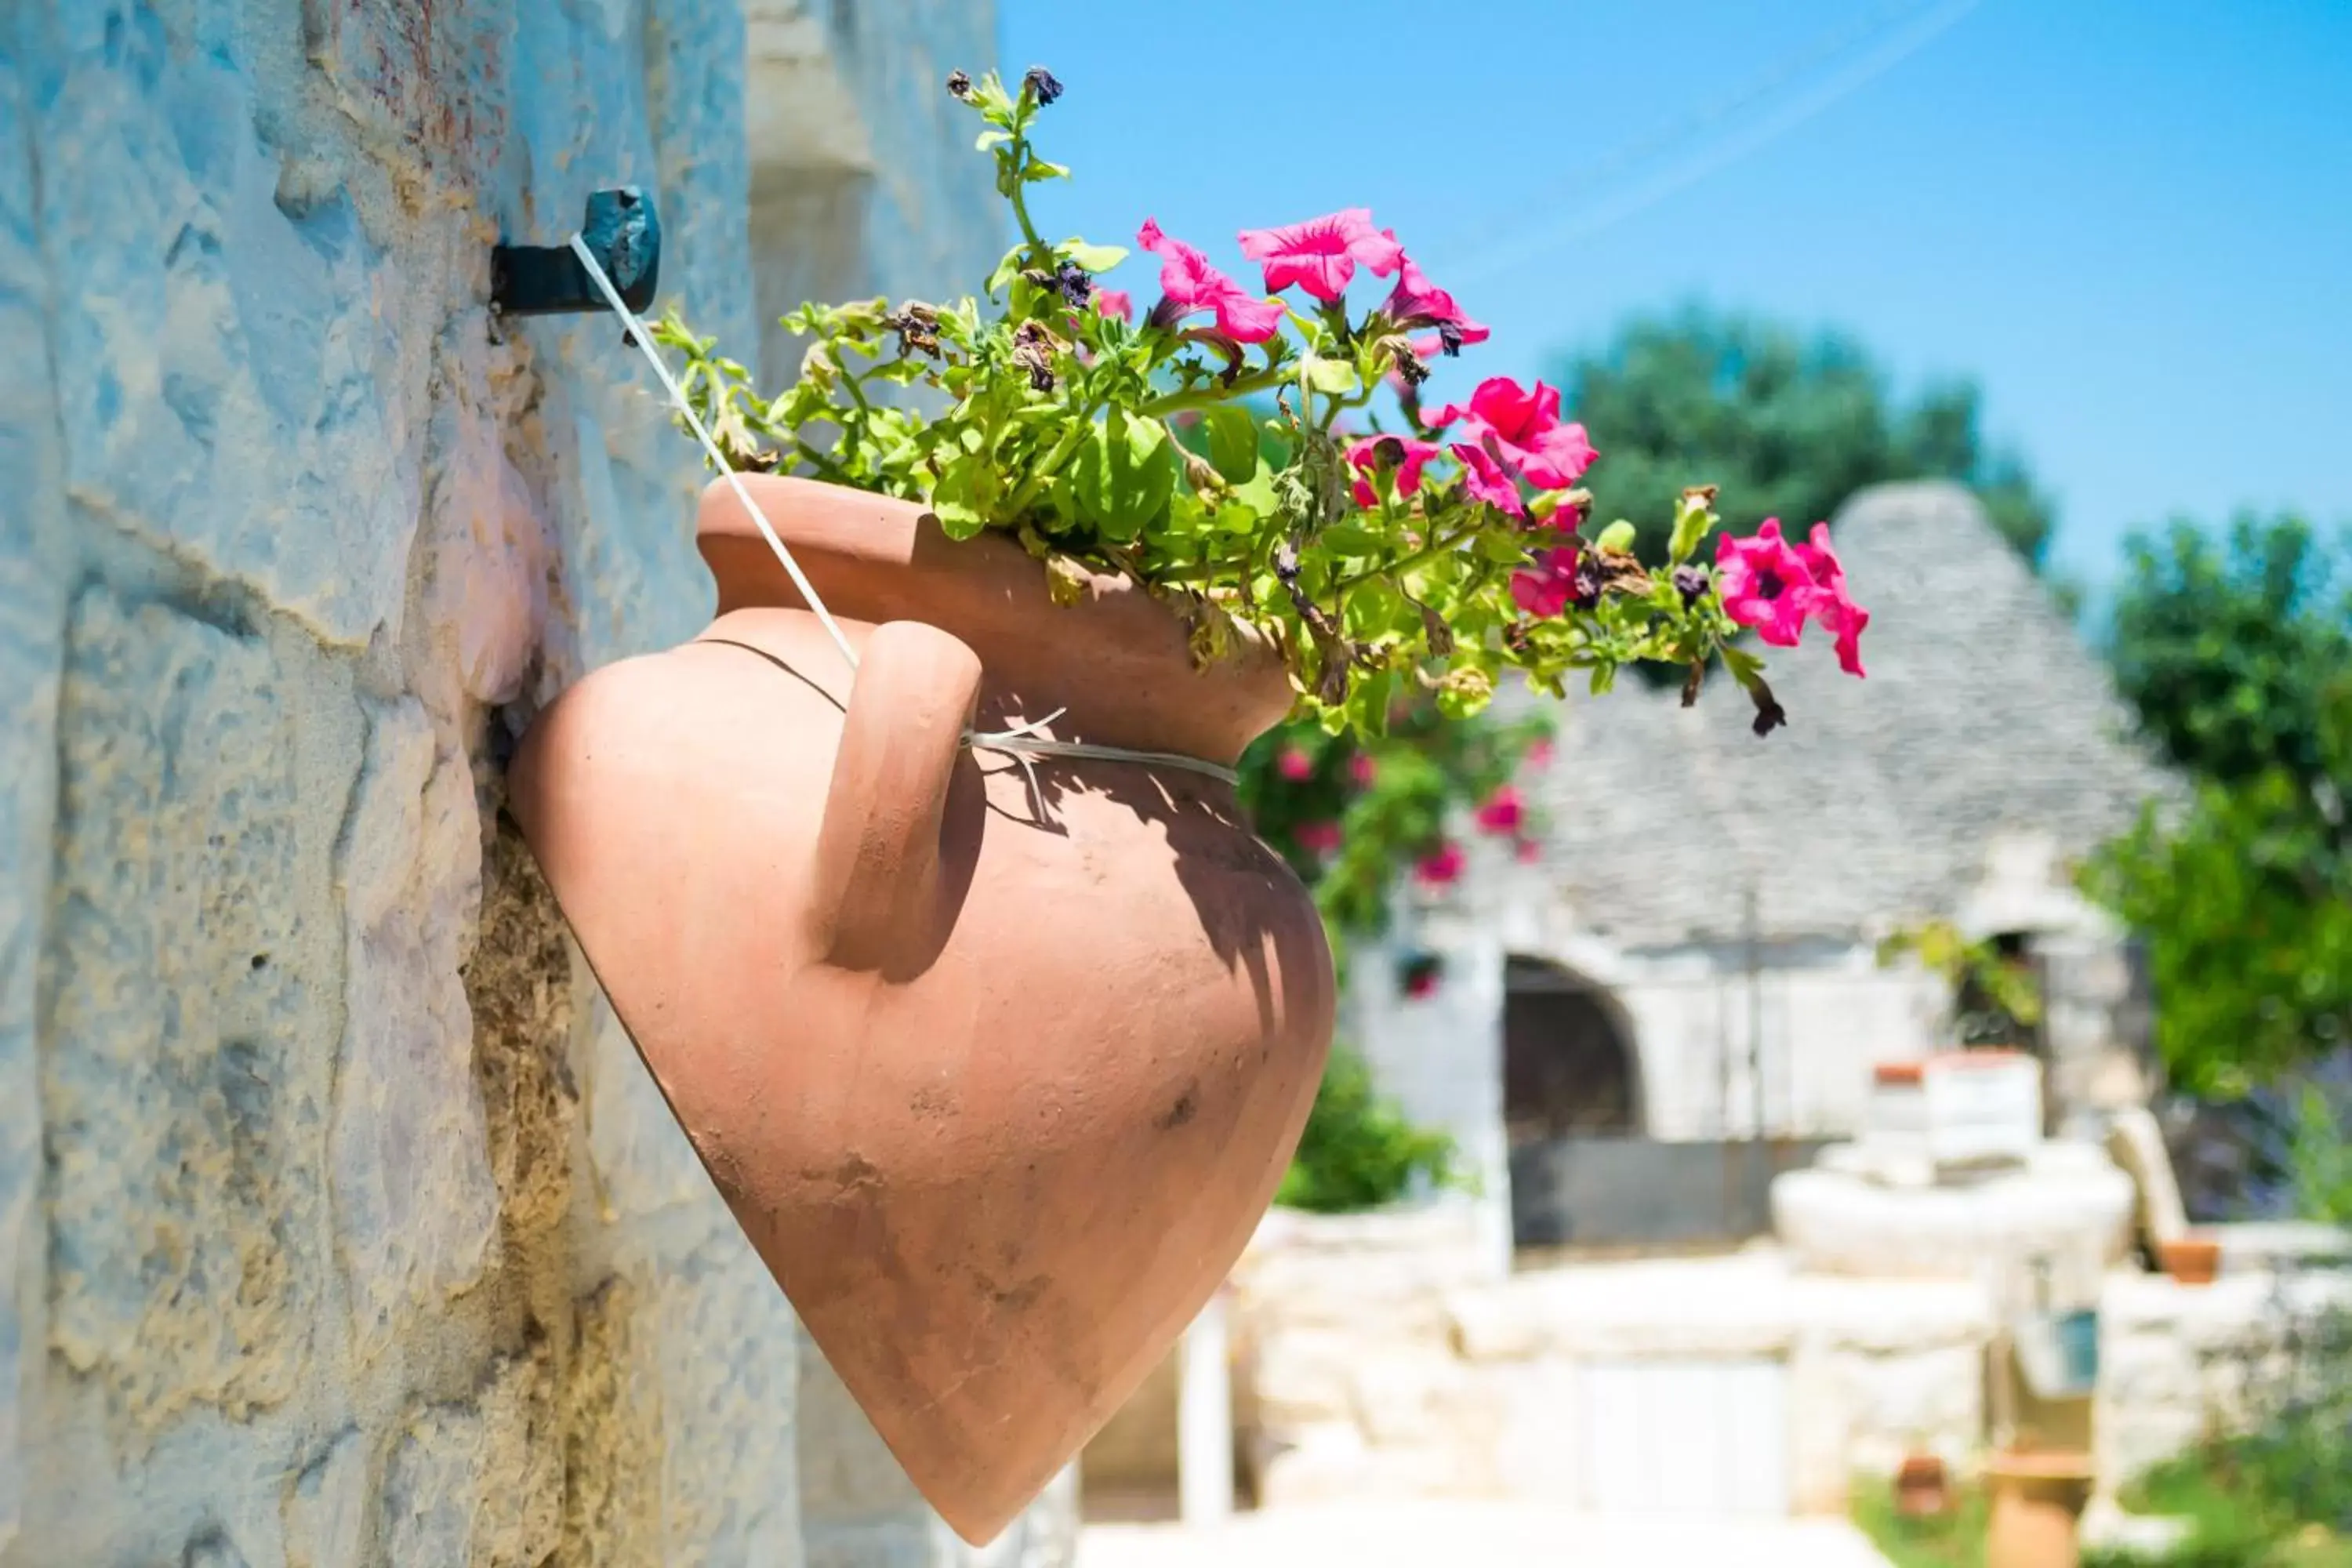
(622, 232)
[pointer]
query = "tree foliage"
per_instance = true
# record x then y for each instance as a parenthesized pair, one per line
(2237, 654)
(1788, 426)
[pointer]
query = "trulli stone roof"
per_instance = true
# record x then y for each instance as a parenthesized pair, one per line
(1983, 715)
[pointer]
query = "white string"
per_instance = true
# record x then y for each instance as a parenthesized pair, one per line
(1020, 742)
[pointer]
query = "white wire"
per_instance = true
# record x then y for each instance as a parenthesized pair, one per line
(638, 336)
(1020, 741)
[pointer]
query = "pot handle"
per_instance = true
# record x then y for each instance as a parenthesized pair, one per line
(877, 850)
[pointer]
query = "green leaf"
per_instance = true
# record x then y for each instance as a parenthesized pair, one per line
(1744, 666)
(1093, 258)
(966, 491)
(1039, 169)
(1124, 473)
(1348, 539)
(1232, 444)
(1335, 376)
(1693, 518)
(988, 139)
(1618, 536)
(1375, 608)
(1006, 270)
(1256, 493)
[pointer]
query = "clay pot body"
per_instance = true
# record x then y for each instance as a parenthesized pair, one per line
(996, 1073)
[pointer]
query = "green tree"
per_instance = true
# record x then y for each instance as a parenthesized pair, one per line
(1787, 424)
(2237, 654)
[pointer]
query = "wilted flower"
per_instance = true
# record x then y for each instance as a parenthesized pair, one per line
(1042, 85)
(1416, 301)
(959, 84)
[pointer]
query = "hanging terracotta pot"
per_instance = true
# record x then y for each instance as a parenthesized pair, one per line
(997, 1070)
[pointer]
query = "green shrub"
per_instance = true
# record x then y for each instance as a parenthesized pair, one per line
(1358, 1152)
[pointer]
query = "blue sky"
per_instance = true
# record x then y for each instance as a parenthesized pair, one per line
(2131, 221)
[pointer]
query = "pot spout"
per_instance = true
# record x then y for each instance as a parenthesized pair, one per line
(877, 850)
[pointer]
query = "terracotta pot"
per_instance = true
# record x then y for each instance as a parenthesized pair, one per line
(997, 1078)
(1922, 1488)
(2037, 1508)
(2193, 1260)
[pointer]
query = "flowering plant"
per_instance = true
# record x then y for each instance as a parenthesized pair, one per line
(1382, 563)
(1346, 812)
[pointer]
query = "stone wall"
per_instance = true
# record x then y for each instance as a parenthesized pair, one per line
(1373, 1360)
(337, 1222)
(2179, 1364)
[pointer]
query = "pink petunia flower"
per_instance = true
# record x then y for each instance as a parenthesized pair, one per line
(1416, 301)
(1322, 254)
(1529, 852)
(1317, 838)
(1362, 770)
(1117, 303)
(1832, 606)
(1187, 284)
(1441, 866)
(1364, 453)
(1556, 579)
(1502, 811)
(1485, 479)
(1766, 584)
(1295, 765)
(1524, 429)
(1538, 753)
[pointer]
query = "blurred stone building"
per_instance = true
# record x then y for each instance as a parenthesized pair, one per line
(1682, 994)
(337, 1222)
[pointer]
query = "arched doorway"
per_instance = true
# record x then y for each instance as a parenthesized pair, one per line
(1568, 1067)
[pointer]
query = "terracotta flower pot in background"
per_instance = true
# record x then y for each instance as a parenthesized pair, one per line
(1922, 1487)
(996, 1076)
(2038, 1499)
(2192, 1260)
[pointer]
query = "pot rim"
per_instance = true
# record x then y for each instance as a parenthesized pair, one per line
(1118, 661)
